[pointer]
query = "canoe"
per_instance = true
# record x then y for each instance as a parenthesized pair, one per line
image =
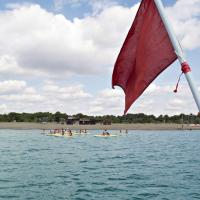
(105, 136)
(80, 133)
(56, 134)
(59, 135)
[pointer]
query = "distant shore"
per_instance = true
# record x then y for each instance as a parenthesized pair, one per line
(146, 126)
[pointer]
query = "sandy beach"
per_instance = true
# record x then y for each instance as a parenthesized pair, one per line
(147, 126)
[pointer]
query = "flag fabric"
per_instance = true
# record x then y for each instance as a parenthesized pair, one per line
(146, 52)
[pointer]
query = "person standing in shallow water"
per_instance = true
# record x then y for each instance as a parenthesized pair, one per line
(70, 132)
(63, 131)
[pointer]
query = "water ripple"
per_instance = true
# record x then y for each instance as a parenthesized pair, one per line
(142, 165)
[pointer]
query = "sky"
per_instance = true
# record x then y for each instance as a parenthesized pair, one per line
(58, 55)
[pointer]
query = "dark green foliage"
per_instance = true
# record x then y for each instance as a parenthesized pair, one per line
(129, 118)
(33, 117)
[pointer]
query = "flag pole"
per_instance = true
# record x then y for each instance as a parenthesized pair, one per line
(176, 45)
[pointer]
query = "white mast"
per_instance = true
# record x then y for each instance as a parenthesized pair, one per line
(177, 48)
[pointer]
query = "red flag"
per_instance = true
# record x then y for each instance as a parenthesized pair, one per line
(146, 52)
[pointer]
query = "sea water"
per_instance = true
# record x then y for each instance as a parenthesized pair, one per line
(140, 165)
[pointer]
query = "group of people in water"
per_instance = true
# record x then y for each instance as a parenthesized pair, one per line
(66, 131)
(81, 131)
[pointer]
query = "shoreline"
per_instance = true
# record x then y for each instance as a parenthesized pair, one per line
(48, 126)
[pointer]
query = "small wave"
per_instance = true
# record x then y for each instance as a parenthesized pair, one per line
(116, 179)
(148, 195)
(32, 150)
(83, 190)
(136, 177)
(83, 161)
(5, 181)
(113, 189)
(9, 196)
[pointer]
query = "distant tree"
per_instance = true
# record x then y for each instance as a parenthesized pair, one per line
(128, 118)
(57, 117)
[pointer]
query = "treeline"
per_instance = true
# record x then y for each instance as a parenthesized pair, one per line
(129, 118)
(33, 117)
(143, 118)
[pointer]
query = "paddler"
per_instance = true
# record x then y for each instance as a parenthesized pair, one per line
(105, 133)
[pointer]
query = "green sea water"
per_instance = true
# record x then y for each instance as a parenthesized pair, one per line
(138, 166)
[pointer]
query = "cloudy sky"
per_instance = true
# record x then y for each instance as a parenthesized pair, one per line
(58, 55)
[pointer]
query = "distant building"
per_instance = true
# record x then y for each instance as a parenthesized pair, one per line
(83, 121)
(86, 121)
(71, 120)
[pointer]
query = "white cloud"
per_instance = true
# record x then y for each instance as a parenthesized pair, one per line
(95, 5)
(106, 102)
(30, 90)
(35, 42)
(156, 100)
(9, 64)
(12, 86)
(162, 100)
(185, 17)
(177, 103)
(59, 4)
(14, 91)
(99, 5)
(74, 99)
(3, 108)
(33, 39)
(23, 98)
(69, 93)
(20, 97)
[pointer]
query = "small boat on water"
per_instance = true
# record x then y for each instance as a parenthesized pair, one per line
(59, 135)
(81, 133)
(106, 136)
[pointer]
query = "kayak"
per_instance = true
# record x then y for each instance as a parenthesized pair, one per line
(105, 136)
(59, 135)
(81, 133)
(56, 134)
